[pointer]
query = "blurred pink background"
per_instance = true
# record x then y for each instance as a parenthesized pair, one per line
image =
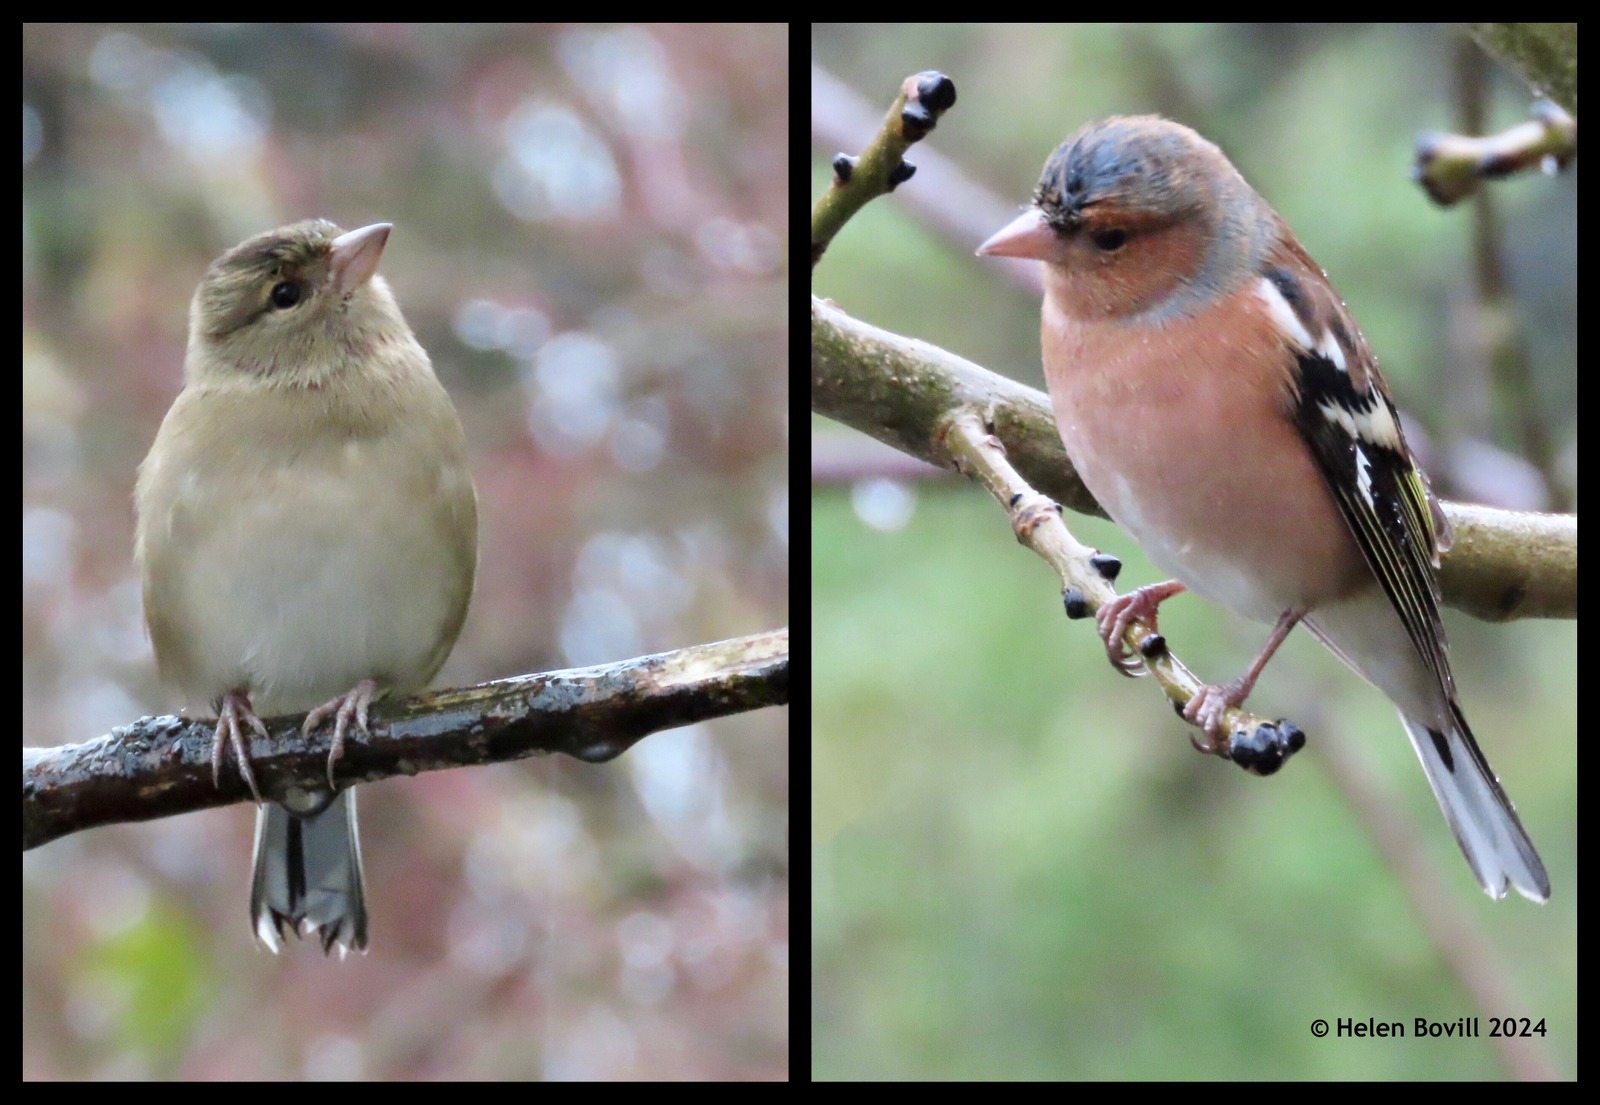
(590, 240)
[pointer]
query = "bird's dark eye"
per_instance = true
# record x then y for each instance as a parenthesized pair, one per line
(285, 295)
(1109, 240)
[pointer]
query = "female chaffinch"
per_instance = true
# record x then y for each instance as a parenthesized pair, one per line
(1217, 398)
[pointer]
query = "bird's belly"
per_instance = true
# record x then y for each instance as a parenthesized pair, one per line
(302, 594)
(1223, 513)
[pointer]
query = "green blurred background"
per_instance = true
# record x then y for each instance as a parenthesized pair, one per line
(1021, 869)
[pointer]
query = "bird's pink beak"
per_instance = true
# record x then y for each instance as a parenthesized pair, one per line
(1027, 235)
(353, 256)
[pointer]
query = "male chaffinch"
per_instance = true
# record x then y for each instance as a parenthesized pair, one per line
(1217, 398)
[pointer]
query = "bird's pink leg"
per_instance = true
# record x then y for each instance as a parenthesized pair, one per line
(235, 711)
(350, 706)
(1210, 702)
(1116, 616)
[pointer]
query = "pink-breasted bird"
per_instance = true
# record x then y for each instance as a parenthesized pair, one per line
(1219, 401)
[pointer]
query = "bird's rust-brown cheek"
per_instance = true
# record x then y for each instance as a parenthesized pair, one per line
(1143, 272)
